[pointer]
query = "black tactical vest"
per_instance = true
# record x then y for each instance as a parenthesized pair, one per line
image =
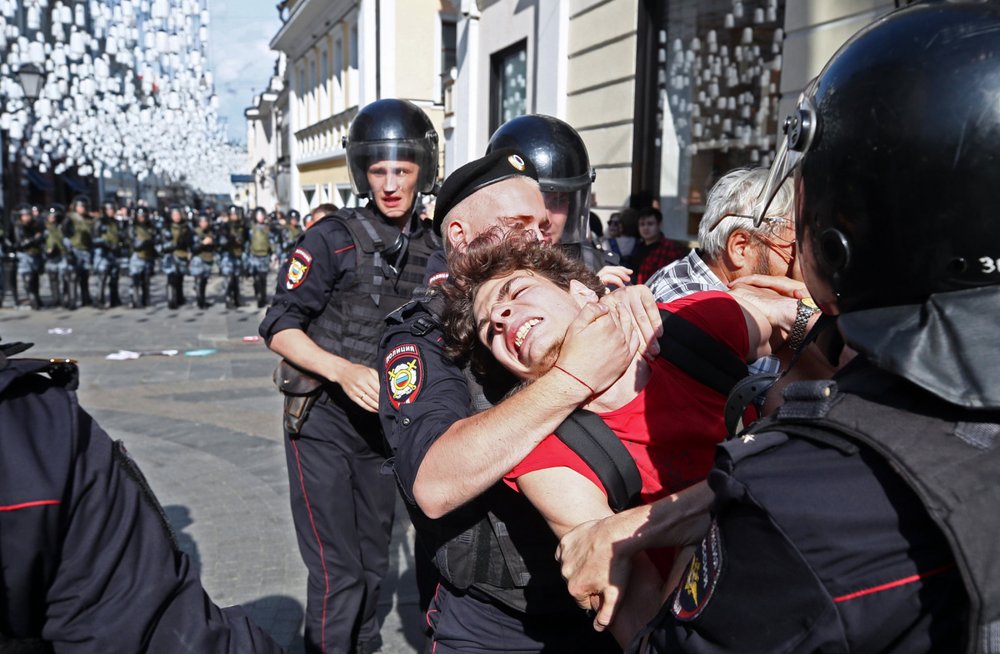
(948, 455)
(352, 322)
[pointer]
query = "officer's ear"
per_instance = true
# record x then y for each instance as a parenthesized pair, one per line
(458, 236)
(582, 293)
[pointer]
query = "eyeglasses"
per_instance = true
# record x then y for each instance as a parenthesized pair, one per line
(774, 221)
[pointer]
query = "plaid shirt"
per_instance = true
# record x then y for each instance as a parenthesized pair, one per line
(690, 275)
(655, 257)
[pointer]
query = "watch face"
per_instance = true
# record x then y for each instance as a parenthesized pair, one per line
(809, 303)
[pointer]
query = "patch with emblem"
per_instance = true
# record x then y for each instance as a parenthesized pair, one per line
(298, 268)
(702, 576)
(404, 374)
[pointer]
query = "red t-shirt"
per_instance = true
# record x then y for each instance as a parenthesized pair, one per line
(672, 426)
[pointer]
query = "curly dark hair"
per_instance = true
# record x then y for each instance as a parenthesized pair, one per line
(487, 257)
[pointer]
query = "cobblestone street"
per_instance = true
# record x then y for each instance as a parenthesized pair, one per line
(206, 431)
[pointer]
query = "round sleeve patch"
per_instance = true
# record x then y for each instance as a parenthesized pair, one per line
(404, 374)
(698, 585)
(298, 268)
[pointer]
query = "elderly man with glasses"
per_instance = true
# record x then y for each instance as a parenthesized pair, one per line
(732, 248)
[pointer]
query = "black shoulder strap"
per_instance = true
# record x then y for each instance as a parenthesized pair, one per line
(699, 355)
(593, 441)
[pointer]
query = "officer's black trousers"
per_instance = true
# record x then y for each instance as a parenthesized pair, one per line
(342, 506)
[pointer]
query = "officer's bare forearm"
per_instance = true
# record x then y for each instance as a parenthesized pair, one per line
(673, 521)
(476, 452)
(298, 348)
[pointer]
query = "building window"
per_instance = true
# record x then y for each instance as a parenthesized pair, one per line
(717, 66)
(508, 84)
(449, 50)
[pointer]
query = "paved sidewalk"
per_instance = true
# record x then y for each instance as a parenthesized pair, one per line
(206, 431)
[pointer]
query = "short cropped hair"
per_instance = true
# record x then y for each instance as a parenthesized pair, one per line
(733, 196)
(493, 255)
(474, 205)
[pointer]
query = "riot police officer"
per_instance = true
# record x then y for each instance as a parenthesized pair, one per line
(202, 258)
(290, 233)
(564, 176)
(79, 225)
(344, 274)
(177, 254)
(142, 258)
(232, 245)
(107, 244)
(59, 264)
(260, 250)
(29, 238)
(861, 518)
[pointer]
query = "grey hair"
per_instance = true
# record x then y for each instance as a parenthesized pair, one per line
(736, 192)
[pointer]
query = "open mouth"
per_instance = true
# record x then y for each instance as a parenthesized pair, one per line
(522, 332)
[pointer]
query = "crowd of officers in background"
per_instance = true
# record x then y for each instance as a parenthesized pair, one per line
(83, 253)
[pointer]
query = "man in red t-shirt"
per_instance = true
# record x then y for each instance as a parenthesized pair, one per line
(513, 301)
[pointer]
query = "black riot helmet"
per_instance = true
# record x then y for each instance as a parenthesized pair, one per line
(895, 149)
(391, 130)
(564, 172)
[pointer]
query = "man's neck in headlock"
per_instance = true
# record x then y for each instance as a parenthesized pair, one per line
(624, 390)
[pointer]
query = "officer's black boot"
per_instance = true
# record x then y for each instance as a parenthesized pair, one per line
(84, 278)
(134, 291)
(36, 294)
(145, 288)
(180, 290)
(12, 284)
(260, 289)
(26, 282)
(202, 302)
(236, 292)
(70, 289)
(114, 300)
(102, 293)
(171, 292)
(230, 292)
(55, 289)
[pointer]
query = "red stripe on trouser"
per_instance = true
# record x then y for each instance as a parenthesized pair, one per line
(28, 505)
(322, 559)
(894, 584)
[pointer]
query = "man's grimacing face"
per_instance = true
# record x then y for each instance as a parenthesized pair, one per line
(522, 319)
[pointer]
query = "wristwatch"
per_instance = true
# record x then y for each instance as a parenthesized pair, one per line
(805, 308)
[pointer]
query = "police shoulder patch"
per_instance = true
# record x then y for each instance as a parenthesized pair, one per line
(698, 585)
(298, 268)
(404, 374)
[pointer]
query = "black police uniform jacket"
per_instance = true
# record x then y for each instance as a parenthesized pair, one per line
(89, 563)
(863, 517)
(342, 279)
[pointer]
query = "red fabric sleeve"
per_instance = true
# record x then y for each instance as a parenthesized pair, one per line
(551, 453)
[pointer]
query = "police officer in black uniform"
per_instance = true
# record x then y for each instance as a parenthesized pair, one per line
(500, 588)
(344, 274)
(90, 563)
(142, 256)
(862, 517)
(178, 238)
(564, 176)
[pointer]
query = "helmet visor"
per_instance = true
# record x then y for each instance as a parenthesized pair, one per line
(799, 130)
(361, 156)
(568, 213)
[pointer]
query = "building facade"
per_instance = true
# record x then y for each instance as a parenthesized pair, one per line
(267, 143)
(342, 55)
(667, 94)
